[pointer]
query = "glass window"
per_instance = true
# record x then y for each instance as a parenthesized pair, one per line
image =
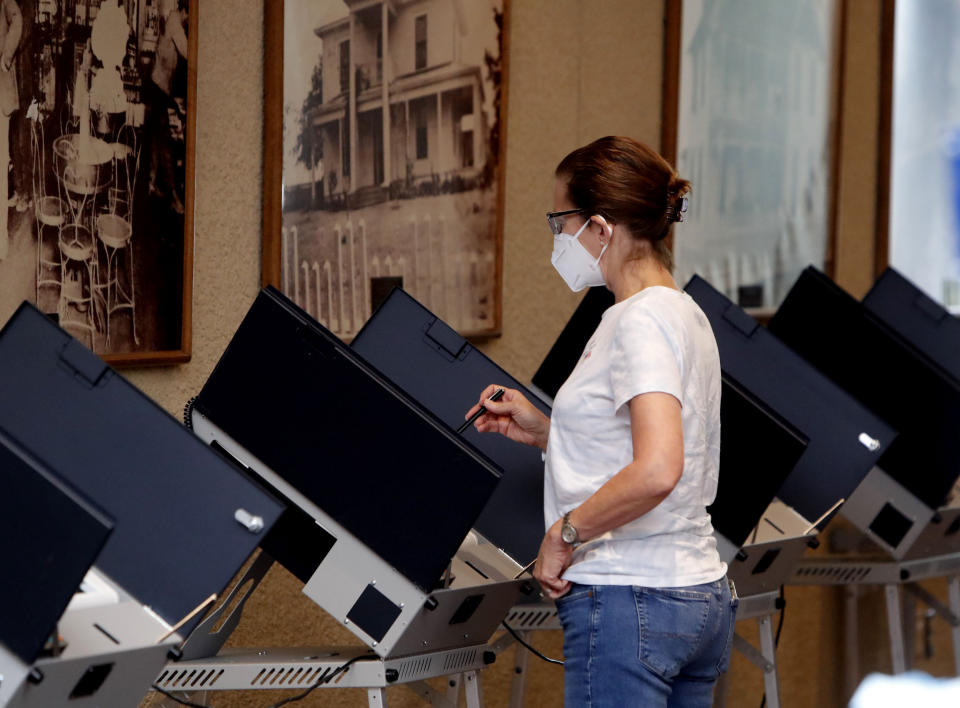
(345, 66)
(421, 136)
(924, 232)
(753, 137)
(345, 163)
(420, 37)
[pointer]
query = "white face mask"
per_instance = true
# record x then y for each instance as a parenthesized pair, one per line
(574, 263)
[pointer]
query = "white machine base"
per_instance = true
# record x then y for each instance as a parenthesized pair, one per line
(302, 667)
(892, 575)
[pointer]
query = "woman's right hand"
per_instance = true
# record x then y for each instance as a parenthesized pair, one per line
(513, 416)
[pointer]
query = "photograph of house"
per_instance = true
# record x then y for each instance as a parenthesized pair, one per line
(391, 142)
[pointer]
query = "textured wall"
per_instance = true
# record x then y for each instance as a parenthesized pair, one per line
(579, 69)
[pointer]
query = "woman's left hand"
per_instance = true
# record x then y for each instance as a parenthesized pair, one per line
(552, 561)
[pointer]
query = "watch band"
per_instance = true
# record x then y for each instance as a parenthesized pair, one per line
(568, 532)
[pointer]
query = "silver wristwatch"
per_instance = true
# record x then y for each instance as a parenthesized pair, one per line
(568, 532)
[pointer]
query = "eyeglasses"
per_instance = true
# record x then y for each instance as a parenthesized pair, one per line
(555, 219)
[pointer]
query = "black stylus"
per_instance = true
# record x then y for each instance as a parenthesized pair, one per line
(497, 395)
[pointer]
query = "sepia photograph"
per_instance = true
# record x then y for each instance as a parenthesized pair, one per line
(390, 168)
(96, 132)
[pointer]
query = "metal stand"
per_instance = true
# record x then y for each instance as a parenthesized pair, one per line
(892, 575)
(762, 608)
(303, 667)
(524, 619)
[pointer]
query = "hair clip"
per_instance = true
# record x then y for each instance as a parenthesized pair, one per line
(684, 203)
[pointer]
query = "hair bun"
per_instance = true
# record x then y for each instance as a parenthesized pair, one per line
(677, 190)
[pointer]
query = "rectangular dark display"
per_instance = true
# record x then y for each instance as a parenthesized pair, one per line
(838, 335)
(374, 613)
(172, 498)
(835, 460)
(917, 318)
(52, 535)
(439, 368)
(890, 525)
(324, 419)
(566, 351)
(758, 451)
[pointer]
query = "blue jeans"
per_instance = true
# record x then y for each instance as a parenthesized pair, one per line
(652, 647)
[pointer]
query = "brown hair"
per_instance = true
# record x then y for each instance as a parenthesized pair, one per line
(627, 182)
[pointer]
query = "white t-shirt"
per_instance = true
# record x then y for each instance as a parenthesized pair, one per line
(656, 340)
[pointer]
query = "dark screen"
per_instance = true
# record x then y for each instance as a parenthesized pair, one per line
(835, 461)
(52, 535)
(172, 498)
(917, 318)
(834, 332)
(568, 348)
(758, 450)
(326, 421)
(439, 368)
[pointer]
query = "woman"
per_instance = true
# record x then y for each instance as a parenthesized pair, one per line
(632, 448)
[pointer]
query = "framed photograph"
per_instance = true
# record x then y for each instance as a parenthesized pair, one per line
(751, 102)
(97, 118)
(383, 167)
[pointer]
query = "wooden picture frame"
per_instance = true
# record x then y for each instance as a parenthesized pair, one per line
(103, 172)
(427, 212)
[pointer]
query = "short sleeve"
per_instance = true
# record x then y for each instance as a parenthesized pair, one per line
(645, 357)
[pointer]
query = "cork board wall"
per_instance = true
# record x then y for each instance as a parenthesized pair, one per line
(579, 69)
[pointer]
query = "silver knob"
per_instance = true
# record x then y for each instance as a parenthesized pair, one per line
(253, 524)
(868, 442)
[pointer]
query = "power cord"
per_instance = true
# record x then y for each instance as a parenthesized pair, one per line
(529, 647)
(286, 701)
(173, 698)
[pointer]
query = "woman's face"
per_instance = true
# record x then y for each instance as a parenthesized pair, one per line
(590, 236)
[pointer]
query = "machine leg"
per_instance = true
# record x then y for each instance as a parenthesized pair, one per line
(518, 684)
(453, 688)
(771, 685)
(909, 627)
(851, 638)
(721, 691)
(895, 627)
(953, 590)
(377, 697)
(473, 689)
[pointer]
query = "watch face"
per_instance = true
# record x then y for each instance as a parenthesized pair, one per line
(568, 533)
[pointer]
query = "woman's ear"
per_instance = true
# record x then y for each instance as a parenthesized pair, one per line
(606, 228)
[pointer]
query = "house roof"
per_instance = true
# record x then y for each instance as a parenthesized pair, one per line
(331, 26)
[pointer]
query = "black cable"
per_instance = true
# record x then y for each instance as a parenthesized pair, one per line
(172, 697)
(783, 613)
(776, 639)
(530, 648)
(325, 680)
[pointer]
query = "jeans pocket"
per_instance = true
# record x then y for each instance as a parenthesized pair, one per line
(672, 624)
(573, 603)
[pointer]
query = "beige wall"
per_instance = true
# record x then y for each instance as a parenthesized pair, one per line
(579, 69)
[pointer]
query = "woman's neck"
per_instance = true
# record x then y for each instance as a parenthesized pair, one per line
(638, 274)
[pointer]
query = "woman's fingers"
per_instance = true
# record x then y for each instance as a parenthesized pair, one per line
(484, 396)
